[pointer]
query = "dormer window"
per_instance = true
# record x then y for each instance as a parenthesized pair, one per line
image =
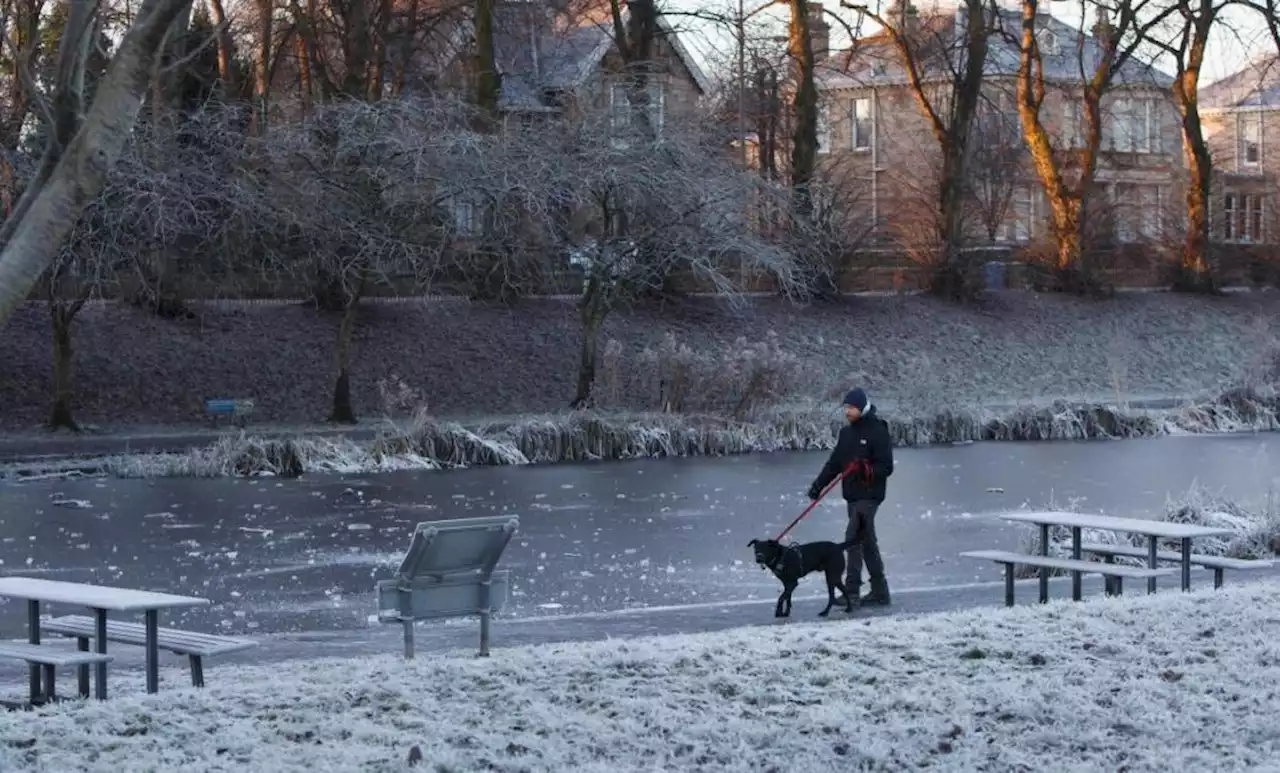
(1249, 152)
(1047, 41)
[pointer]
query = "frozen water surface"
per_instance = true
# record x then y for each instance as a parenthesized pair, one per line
(302, 555)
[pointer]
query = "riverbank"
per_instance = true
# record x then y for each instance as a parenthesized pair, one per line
(426, 443)
(1144, 683)
(466, 360)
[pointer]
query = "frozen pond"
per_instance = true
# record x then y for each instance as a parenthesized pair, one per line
(300, 555)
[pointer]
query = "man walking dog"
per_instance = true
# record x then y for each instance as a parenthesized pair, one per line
(866, 450)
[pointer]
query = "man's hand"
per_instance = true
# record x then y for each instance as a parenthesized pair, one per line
(815, 493)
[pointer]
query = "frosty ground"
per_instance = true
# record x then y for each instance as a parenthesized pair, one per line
(1168, 682)
(476, 359)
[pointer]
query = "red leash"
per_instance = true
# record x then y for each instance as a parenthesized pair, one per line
(847, 470)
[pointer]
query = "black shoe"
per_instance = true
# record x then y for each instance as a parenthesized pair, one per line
(879, 595)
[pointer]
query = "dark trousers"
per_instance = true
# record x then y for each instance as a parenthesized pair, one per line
(862, 532)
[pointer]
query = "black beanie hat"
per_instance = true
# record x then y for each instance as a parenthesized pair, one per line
(857, 398)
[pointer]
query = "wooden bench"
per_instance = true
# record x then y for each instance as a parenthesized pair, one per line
(49, 659)
(1219, 564)
(196, 646)
(1114, 572)
(237, 410)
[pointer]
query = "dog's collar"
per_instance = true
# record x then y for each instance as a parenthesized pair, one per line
(782, 557)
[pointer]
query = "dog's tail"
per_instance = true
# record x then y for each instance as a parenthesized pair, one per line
(847, 544)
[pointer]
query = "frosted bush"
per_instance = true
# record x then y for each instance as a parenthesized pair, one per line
(744, 380)
(754, 376)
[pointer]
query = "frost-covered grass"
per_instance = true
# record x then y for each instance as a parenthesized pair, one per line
(424, 443)
(1170, 682)
(1255, 530)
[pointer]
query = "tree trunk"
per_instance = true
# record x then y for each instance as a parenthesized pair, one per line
(225, 50)
(486, 73)
(583, 397)
(592, 308)
(262, 67)
(1065, 202)
(82, 170)
(25, 23)
(1194, 273)
(165, 86)
(343, 410)
(60, 415)
(949, 276)
(804, 143)
(304, 72)
(404, 58)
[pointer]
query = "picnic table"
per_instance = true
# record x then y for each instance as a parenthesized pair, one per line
(101, 599)
(1153, 530)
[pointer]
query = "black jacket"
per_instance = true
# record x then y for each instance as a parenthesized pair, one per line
(866, 443)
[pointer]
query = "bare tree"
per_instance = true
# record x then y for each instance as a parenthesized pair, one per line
(87, 265)
(20, 27)
(84, 144)
(362, 187)
(1068, 177)
(804, 138)
(1186, 47)
(943, 59)
(632, 215)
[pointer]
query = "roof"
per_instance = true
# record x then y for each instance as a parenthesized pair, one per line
(874, 60)
(537, 53)
(1256, 86)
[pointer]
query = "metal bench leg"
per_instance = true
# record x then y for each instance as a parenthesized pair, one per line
(1217, 578)
(408, 638)
(484, 619)
(151, 620)
(1044, 571)
(1186, 564)
(50, 678)
(1076, 585)
(33, 636)
(1108, 580)
(1008, 585)
(1153, 561)
(100, 646)
(197, 671)
(82, 644)
(1118, 582)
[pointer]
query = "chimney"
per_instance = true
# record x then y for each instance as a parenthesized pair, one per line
(819, 32)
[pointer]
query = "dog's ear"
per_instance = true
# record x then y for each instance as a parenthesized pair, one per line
(753, 543)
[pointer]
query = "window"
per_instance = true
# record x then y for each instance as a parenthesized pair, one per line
(998, 120)
(620, 126)
(1249, 128)
(1135, 125)
(1141, 215)
(1243, 218)
(1047, 41)
(1019, 225)
(464, 217)
(860, 124)
(824, 130)
(1072, 124)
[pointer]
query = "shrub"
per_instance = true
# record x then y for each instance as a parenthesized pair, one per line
(749, 377)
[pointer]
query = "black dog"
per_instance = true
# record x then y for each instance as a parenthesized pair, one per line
(791, 562)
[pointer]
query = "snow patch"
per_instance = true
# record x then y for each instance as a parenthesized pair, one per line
(1170, 682)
